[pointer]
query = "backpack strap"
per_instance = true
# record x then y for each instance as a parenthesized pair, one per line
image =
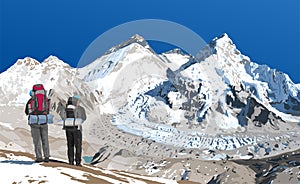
(34, 103)
(45, 107)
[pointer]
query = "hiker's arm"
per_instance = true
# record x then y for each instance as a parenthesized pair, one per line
(26, 108)
(83, 114)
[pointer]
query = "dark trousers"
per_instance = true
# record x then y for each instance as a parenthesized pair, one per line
(74, 139)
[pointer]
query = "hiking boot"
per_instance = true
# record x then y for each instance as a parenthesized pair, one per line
(46, 159)
(38, 160)
(78, 164)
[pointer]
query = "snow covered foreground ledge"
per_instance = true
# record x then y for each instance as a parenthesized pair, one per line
(19, 167)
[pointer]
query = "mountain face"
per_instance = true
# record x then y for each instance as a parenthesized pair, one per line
(57, 77)
(269, 85)
(18, 79)
(197, 101)
(217, 100)
(143, 106)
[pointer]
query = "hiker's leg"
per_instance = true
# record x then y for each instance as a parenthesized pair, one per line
(78, 146)
(45, 142)
(70, 143)
(35, 133)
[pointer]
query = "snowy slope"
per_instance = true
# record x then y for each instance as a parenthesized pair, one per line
(59, 79)
(18, 167)
(268, 85)
(118, 75)
(217, 100)
(198, 97)
(19, 79)
(143, 108)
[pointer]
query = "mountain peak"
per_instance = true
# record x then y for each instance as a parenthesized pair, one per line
(27, 61)
(224, 36)
(134, 39)
(53, 60)
(221, 41)
(216, 46)
(175, 51)
(24, 64)
(137, 38)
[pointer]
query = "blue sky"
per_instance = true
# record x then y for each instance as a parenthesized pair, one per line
(267, 31)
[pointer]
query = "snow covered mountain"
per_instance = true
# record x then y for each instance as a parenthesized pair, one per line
(112, 76)
(218, 91)
(163, 97)
(18, 79)
(269, 85)
(58, 78)
(216, 105)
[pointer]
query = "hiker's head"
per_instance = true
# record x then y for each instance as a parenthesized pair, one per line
(74, 100)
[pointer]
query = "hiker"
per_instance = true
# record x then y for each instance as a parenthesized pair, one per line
(37, 109)
(73, 116)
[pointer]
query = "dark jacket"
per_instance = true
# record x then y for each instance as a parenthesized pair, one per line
(79, 113)
(27, 107)
(76, 111)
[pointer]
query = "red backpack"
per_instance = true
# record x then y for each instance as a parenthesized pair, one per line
(40, 103)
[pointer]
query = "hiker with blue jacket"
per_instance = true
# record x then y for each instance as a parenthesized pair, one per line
(38, 106)
(73, 116)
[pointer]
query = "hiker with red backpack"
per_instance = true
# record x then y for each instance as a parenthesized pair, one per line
(37, 108)
(73, 116)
